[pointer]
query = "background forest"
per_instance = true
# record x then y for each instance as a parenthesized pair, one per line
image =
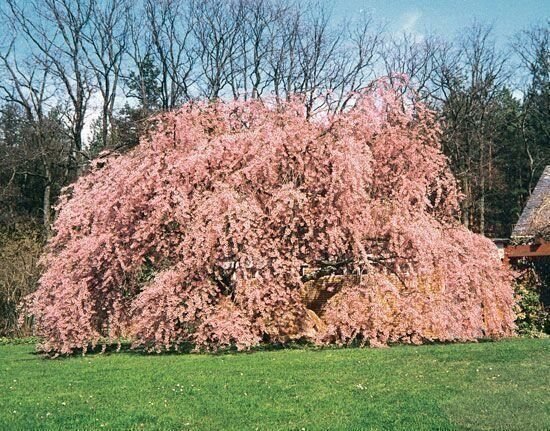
(79, 77)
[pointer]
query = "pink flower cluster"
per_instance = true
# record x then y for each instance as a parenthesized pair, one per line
(200, 234)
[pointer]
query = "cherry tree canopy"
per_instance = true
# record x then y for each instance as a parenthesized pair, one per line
(235, 223)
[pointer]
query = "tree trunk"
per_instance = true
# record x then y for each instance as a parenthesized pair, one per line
(105, 125)
(482, 205)
(46, 204)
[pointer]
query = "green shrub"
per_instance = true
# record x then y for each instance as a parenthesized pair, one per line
(10, 341)
(533, 293)
(20, 251)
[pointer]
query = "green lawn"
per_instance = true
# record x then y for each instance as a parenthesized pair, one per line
(502, 385)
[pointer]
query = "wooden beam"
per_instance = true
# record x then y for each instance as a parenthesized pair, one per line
(530, 250)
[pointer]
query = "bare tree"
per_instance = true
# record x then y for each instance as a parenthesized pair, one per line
(216, 27)
(28, 85)
(469, 78)
(142, 80)
(249, 64)
(168, 24)
(532, 46)
(55, 31)
(283, 51)
(318, 44)
(322, 63)
(407, 55)
(354, 61)
(104, 47)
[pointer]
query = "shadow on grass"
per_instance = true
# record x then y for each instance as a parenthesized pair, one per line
(125, 346)
(189, 348)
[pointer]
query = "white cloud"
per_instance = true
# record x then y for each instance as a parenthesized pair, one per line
(92, 113)
(518, 94)
(409, 20)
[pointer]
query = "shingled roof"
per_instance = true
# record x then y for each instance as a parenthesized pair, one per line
(535, 218)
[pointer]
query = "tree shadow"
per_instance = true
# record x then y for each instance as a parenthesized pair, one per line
(125, 347)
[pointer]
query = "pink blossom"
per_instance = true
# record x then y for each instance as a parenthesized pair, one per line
(200, 233)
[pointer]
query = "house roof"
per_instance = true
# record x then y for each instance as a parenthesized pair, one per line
(535, 218)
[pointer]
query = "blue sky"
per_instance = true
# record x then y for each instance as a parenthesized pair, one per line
(447, 17)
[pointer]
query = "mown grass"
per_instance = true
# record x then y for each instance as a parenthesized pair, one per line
(502, 385)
